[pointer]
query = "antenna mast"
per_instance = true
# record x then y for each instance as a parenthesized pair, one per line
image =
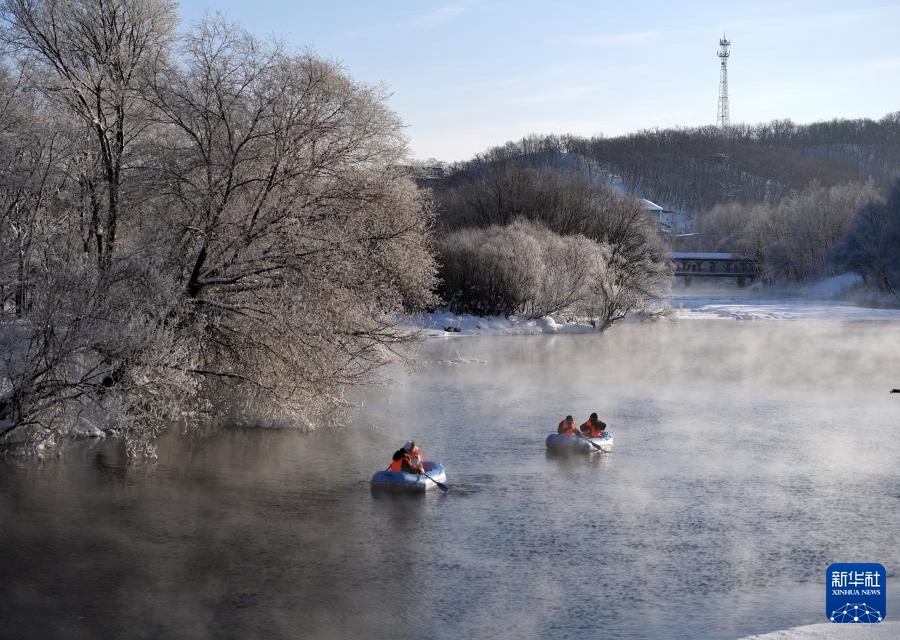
(722, 119)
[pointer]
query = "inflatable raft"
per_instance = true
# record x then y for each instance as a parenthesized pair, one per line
(402, 481)
(559, 443)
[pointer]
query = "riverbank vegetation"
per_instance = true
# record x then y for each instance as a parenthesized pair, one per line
(194, 226)
(517, 240)
(871, 247)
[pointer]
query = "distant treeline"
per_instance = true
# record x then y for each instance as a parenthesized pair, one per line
(787, 194)
(694, 169)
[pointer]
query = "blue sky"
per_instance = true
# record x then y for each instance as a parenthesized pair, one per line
(468, 75)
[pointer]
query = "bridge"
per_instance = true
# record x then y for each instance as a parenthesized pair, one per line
(691, 265)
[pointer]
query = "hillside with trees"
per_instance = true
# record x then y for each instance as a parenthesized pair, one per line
(696, 169)
(784, 193)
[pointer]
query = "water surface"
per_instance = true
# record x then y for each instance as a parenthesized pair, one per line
(749, 457)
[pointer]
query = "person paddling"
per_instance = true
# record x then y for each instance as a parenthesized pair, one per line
(567, 426)
(594, 427)
(407, 459)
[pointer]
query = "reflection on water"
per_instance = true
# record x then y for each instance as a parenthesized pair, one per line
(749, 457)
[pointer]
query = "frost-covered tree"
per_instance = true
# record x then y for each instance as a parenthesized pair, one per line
(871, 247)
(618, 286)
(564, 200)
(266, 242)
(33, 151)
(491, 271)
(524, 268)
(74, 348)
(520, 268)
(790, 238)
(95, 55)
(809, 224)
(630, 270)
(293, 235)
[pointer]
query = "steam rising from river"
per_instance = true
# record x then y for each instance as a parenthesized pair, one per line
(744, 453)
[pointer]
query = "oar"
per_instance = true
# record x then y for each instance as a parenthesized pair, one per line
(596, 446)
(440, 485)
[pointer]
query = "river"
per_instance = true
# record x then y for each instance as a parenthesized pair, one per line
(749, 456)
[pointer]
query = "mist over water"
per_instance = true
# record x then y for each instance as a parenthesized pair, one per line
(749, 456)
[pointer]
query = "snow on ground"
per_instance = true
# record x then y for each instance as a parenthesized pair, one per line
(833, 299)
(444, 323)
(831, 631)
(840, 298)
(743, 308)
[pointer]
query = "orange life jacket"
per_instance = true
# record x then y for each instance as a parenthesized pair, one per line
(402, 462)
(566, 427)
(593, 429)
(397, 460)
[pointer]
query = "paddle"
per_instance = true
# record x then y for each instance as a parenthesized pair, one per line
(596, 446)
(440, 485)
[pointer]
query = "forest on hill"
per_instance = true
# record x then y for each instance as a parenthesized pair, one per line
(784, 193)
(695, 169)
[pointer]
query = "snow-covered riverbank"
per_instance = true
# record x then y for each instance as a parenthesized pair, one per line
(835, 299)
(828, 631)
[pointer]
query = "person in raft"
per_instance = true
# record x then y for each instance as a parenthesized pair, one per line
(415, 456)
(594, 427)
(567, 427)
(407, 459)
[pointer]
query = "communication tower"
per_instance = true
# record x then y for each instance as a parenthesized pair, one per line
(722, 119)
